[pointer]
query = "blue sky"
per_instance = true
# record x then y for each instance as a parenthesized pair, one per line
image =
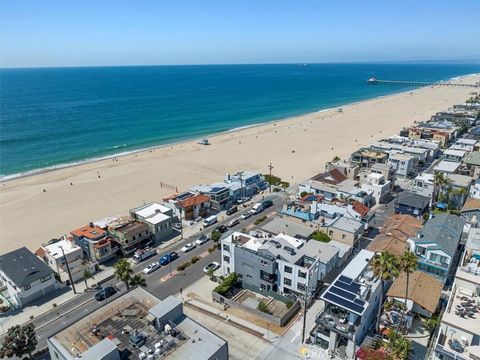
(130, 32)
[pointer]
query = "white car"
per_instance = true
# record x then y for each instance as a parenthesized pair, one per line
(202, 240)
(188, 247)
(246, 215)
(212, 266)
(151, 268)
(233, 222)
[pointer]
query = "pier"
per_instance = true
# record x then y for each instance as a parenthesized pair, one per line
(375, 81)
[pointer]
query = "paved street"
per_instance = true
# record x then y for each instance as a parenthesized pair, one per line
(68, 313)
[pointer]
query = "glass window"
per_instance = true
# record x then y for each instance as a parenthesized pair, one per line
(288, 269)
(302, 274)
(226, 259)
(287, 282)
(26, 287)
(301, 287)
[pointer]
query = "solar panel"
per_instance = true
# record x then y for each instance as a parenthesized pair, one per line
(345, 279)
(344, 303)
(353, 287)
(359, 302)
(342, 293)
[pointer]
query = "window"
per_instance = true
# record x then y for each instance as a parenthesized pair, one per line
(26, 287)
(344, 236)
(287, 282)
(302, 274)
(226, 259)
(226, 247)
(263, 263)
(420, 250)
(330, 233)
(301, 287)
(46, 278)
(288, 269)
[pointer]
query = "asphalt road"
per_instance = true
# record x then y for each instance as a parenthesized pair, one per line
(70, 312)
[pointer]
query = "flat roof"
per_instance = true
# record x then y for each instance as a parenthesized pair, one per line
(106, 221)
(453, 152)
(347, 224)
(467, 324)
(358, 264)
(89, 232)
(151, 209)
(447, 166)
(55, 249)
(280, 225)
(157, 219)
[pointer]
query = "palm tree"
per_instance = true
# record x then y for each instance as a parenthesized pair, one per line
(384, 266)
(440, 181)
(462, 193)
(123, 271)
(87, 275)
(407, 263)
(138, 280)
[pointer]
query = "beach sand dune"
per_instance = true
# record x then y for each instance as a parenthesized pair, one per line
(297, 148)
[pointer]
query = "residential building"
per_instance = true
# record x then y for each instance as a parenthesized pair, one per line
(218, 193)
(189, 205)
(280, 264)
(65, 250)
(137, 326)
(386, 170)
(423, 184)
(158, 217)
(475, 190)
(378, 186)
(471, 210)
(351, 304)
(423, 296)
(366, 157)
(442, 132)
(95, 242)
(345, 230)
(403, 164)
(454, 155)
(244, 183)
(347, 168)
(471, 164)
(459, 186)
(130, 234)
(447, 167)
(288, 226)
(412, 204)
(436, 245)
(25, 277)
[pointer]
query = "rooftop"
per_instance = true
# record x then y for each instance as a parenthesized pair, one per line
(471, 204)
(156, 219)
(423, 289)
(454, 318)
(473, 158)
(121, 222)
(346, 224)
(392, 244)
(293, 228)
(55, 249)
(460, 180)
(411, 199)
(106, 221)
(193, 200)
(23, 267)
(447, 166)
(150, 210)
(90, 231)
(332, 177)
(451, 152)
(401, 226)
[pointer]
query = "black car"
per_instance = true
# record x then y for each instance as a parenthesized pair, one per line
(222, 228)
(232, 210)
(267, 203)
(105, 293)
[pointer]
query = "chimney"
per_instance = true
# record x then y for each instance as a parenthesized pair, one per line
(91, 224)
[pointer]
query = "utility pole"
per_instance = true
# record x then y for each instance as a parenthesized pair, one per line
(270, 167)
(181, 223)
(68, 270)
(305, 313)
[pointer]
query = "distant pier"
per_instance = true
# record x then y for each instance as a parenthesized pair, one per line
(375, 81)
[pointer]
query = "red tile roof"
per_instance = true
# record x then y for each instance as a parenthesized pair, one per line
(360, 208)
(90, 232)
(194, 200)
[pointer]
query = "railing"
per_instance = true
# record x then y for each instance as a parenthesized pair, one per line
(449, 354)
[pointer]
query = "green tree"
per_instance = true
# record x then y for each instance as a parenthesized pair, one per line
(336, 158)
(138, 280)
(216, 235)
(398, 346)
(20, 340)
(384, 266)
(123, 271)
(407, 263)
(87, 275)
(462, 194)
(440, 181)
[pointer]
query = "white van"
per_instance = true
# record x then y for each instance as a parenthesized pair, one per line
(210, 220)
(258, 207)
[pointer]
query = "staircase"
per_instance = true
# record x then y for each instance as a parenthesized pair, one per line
(341, 352)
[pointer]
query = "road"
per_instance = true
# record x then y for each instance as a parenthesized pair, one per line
(70, 312)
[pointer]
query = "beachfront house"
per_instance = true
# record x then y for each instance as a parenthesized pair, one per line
(280, 263)
(366, 157)
(219, 194)
(25, 277)
(95, 242)
(351, 304)
(436, 245)
(347, 168)
(412, 204)
(189, 205)
(130, 234)
(244, 183)
(158, 217)
(57, 254)
(378, 186)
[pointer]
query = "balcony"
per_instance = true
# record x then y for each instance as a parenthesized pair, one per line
(335, 319)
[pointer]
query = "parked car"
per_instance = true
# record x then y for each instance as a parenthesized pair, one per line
(151, 268)
(212, 266)
(210, 220)
(188, 247)
(257, 208)
(105, 293)
(267, 203)
(202, 240)
(221, 228)
(138, 340)
(167, 258)
(177, 225)
(232, 210)
(244, 200)
(246, 215)
(233, 222)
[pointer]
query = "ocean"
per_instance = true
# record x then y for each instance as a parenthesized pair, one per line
(53, 117)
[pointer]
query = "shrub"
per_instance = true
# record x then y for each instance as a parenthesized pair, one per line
(304, 193)
(263, 307)
(260, 219)
(210, 250)
(320, 236)
(194, 259)
(275, 181)
(228, 284)
(289, 304)
(183, 266)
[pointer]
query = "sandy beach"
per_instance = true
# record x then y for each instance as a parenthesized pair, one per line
(297, 148)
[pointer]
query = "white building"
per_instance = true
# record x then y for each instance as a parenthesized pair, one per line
(454, 155)
(475, 190)
(158, 217)
(25, 277)
(54, 257)
(424, 185)
(402, 163)
(351, 304)
(377, 185)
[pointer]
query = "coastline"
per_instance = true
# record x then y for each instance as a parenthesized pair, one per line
(297, 146)
(92, 160)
